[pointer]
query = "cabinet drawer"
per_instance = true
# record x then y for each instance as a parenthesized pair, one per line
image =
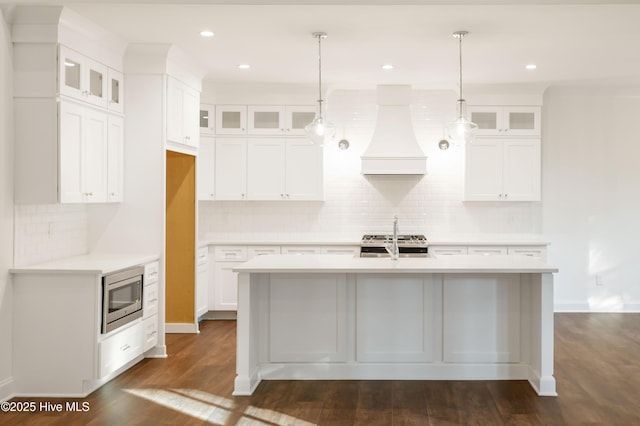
(346, 250)
(448, 251)
(151, 271)
(150, 330)
(301, 250)
(119, 349)
(230, 253)
(533, 251)
(488, 250)
(150, 300)
(262, 250)
(202, 256)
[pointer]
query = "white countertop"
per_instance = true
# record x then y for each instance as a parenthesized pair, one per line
(349, 264)
(336, 240)
(90, 263)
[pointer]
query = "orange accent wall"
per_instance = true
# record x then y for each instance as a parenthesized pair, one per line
(181, 234)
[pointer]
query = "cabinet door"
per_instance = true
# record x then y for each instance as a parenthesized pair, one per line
(95, 156)
(115, 159)
(483, 174)
(202, 283)
(115, 90)
(71, 68)
(521, 170)
(225, 297)
(191, 116)
(304, 171)
(265, 169)
(175, 106)
(266, 120)
(207, 120)
(231, 169)
(231, 120)
(522, 121)
(439, 251)
(96, 89)
(297, 117)
(205, 164)
(488, 119)
(72, 124)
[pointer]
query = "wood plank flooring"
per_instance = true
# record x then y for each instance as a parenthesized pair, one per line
(597, 367)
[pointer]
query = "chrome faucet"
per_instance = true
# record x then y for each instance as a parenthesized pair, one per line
(392, 247)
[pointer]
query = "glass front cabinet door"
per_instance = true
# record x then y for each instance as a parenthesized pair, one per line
(506, 120)
(82, 78)
(207, 119)
(231, 119)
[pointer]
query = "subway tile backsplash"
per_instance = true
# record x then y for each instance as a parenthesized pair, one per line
(49, 231)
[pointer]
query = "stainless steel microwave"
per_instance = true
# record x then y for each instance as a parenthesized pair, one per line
(121, 298)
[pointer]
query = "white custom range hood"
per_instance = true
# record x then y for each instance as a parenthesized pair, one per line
(394, 149)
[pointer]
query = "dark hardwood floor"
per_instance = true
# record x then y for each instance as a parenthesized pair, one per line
(597, 367)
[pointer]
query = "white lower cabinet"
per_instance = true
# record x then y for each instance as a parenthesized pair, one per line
(447, 250)
(487, 250)
(202, 282)
(117, 350)
(150, 330)
(224, 296)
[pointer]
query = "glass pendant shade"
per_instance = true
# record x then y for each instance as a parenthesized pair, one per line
(462, 130)
(320, 130)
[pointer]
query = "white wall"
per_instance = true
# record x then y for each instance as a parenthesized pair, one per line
(591, 196)
(356, 204)
(6, 205)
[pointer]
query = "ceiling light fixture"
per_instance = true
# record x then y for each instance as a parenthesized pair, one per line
(206, 33)
(387, 67)
(244, 66)
(531, 66)
(461, 129)
(319, 129)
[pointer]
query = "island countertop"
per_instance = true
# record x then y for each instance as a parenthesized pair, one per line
(323, 263)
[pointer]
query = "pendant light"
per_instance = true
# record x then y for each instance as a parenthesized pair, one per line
(319, 129)
(461, 130)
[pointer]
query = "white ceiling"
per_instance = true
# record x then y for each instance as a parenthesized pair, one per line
(573, 42)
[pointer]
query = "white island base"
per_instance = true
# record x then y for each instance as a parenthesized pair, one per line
(341, 318)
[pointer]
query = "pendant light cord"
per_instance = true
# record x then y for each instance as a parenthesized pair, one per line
(460, 50)
(320, 74)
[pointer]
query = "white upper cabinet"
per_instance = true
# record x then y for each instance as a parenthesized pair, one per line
(115, 159)
(279, 120)
(183, 111)
(304, 171)
(284, 169)
(231, 119)
(115, 91)
(205, 172)
(503, 170)
(506, 120)
(83, 154)
(207, 119)
(265, 169)
(231, 169)
(82, 78)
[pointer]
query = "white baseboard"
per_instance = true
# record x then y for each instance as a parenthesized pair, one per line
(181, 328)
(567, 307)
(7, 390)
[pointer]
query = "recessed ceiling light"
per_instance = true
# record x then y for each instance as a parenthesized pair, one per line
(206, 33)
(387, 67)
(244, 66)
(531, 66)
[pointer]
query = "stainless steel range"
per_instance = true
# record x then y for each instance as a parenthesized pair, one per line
(378, 245)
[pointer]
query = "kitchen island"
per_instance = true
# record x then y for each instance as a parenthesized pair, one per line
(331, 317)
